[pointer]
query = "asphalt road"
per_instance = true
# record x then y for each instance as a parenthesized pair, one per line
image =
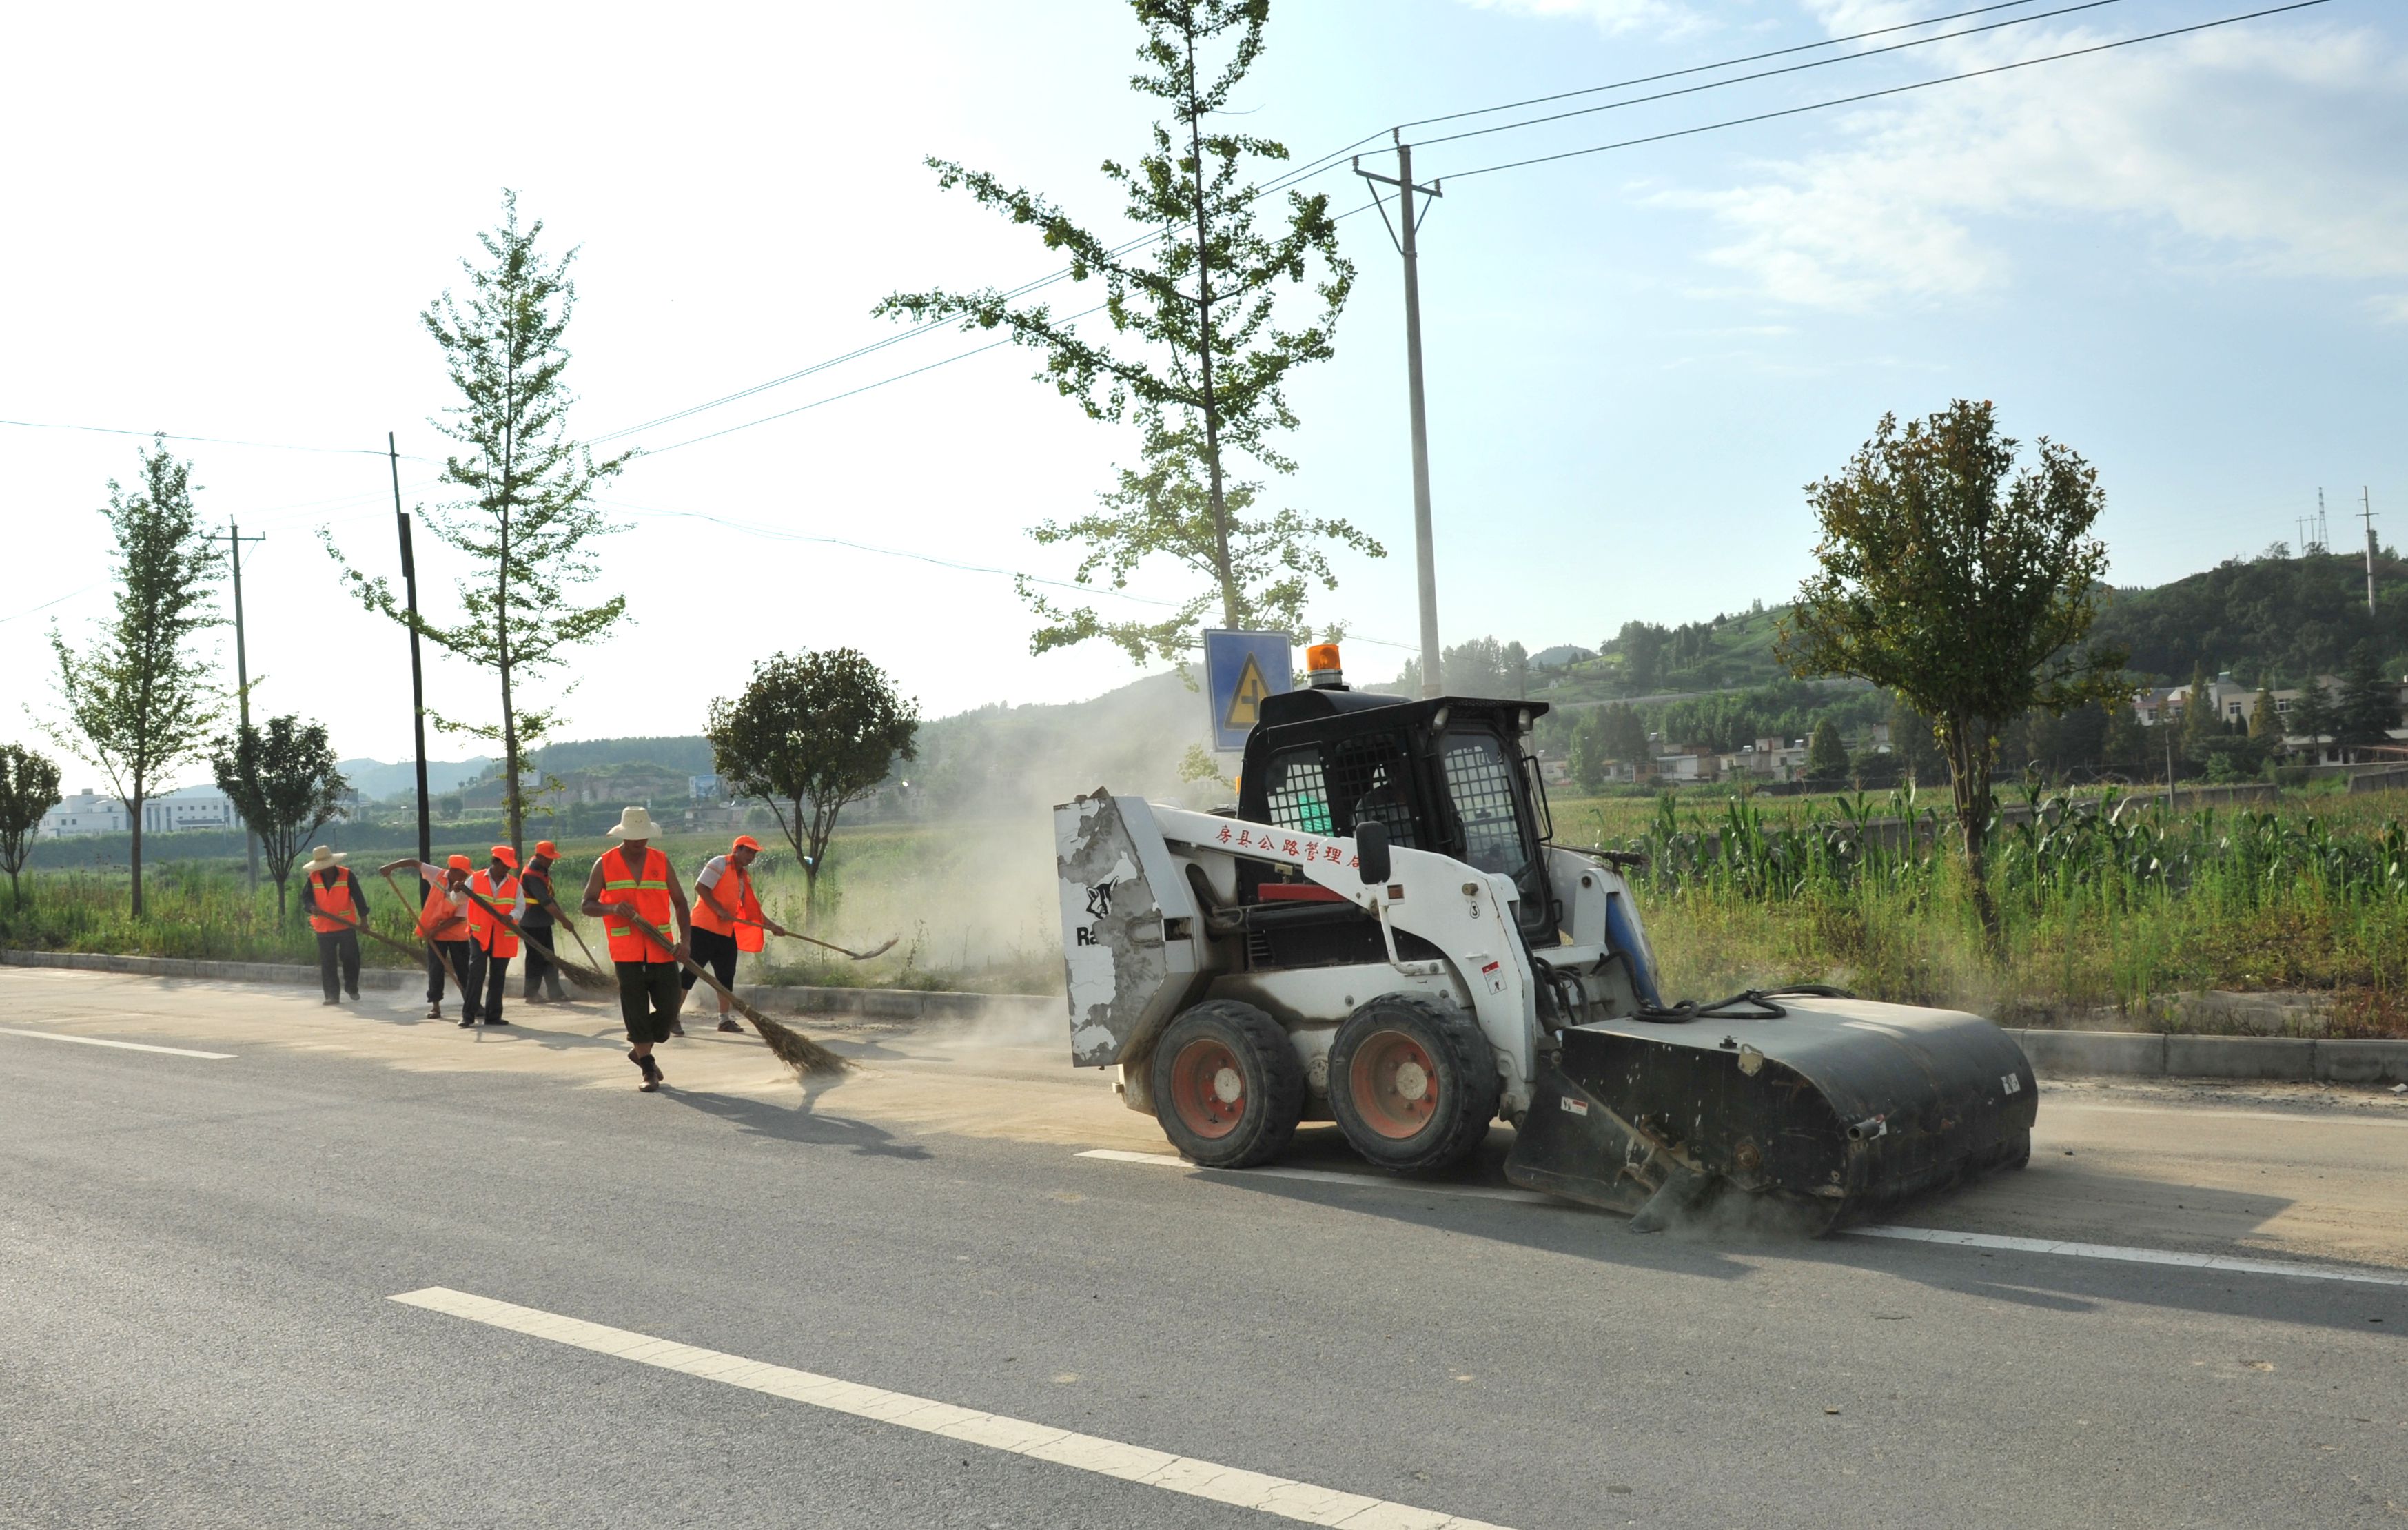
(199, 1255)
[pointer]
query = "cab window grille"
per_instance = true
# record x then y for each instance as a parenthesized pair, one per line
(1297, 791)
(1480, 779)
(1368, 783)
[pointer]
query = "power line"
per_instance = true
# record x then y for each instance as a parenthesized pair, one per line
(209, 440)
(1283, 181)
(1770, 74)
(1707, 68)
(1875, 95)
(780, 534)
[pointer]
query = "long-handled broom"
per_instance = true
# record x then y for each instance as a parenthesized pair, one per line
(794, 1049)
(582, 975)
(856, 955)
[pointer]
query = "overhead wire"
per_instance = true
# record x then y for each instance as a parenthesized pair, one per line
(210, 440)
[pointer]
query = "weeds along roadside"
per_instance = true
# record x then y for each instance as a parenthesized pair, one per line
(2116, 911)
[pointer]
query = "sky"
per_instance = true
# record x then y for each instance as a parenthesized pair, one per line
(2187, 259)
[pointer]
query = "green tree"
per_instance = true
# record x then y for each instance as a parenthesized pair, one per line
(1589, 760)
(1826, 756)
(2264, 722)
(2201, 729)
(1964, 586)
(1198, 357)
(284, 780)
(1910, 739)
(29, 787)
(2368, 708)
(527, 521)
(2127, 745)
(138, 703)
(2313, 717)
(1626, 735)
(811, 734)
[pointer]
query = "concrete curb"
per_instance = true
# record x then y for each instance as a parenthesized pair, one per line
(2052, 1053)
(2292, 1059)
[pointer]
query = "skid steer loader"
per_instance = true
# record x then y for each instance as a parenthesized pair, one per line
(1382, 934)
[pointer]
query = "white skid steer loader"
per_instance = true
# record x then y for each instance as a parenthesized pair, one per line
(1382, 934)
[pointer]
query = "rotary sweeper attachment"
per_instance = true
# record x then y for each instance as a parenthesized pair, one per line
(1837, 1104)
(1378, 934)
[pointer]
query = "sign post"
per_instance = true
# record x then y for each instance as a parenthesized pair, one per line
(1240, 668)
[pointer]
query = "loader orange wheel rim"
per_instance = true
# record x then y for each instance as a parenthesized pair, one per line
(1395, 1084)
(1207, 1088)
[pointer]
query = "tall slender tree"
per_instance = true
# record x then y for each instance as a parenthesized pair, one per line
(1198, 357)
(527, 522)
(138, 700)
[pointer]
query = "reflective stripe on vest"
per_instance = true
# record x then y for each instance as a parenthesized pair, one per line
(498, 942)
(330, 901)
(741, 902)
(647, 888)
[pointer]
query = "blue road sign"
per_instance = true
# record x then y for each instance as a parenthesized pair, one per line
(1240, 668)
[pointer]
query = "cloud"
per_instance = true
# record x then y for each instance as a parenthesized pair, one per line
(2271, 148)
(1610, 15)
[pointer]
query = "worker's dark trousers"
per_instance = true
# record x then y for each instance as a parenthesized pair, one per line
(486, 974)
(541, 966)
(338, 957)
(456, 955)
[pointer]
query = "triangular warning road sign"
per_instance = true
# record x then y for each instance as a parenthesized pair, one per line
(1246, 700)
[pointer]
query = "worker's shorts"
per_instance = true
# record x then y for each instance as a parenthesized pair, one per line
(648, 998)
(714, 950)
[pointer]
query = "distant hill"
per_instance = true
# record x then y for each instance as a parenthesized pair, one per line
(2264, 619)
(376, 781)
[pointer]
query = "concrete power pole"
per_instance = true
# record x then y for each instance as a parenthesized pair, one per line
(1401, 234)
(2365, 513)
(416, 675)
(235, 538)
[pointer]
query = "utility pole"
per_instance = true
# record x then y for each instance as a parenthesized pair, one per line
(1401, 235)
(416, 675)
(2365, 513)
(235, 538)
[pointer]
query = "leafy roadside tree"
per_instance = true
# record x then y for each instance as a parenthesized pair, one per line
(1587, 759)
(1962, 585)
(1826, 756)
(1198, 356)
(1626, 735)
(29, 787)
(284, 780)
(2264, 720)
(2201, 729)
(2313, 716)
(527, 522)
(2368, 708)
(812, 734)
(138, 703)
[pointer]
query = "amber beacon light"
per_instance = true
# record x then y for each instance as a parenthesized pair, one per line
(1320, 667)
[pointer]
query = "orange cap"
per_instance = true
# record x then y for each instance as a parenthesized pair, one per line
(745, 841)
(1321, 656)
(507, 856)
(460, 863)
(546, 849)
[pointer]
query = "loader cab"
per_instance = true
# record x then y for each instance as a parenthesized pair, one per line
(1449, 774)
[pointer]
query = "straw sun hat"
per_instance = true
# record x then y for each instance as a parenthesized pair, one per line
(321, 858)
(636, 823)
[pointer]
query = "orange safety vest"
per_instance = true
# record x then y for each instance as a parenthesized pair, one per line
(741, 902)
(330, 901)
(499, 943)
(439, 919)
(647, 888)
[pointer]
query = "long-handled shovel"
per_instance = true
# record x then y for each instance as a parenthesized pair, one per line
(794, 1049)
(856, 955)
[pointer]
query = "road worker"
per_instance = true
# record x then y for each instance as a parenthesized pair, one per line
(634, 891)
(338, 908)
(543, 912)
(728, 918)
(496, 942)
(443, 925)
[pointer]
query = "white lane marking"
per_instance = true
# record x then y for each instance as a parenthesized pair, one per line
(1330, 1177)
(129, 1046)
(2131, 1256)
(2220, 1113)
(1043, 1442)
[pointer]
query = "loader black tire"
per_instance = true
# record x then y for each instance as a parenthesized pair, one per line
(1228, 1086)
(1412, 1083)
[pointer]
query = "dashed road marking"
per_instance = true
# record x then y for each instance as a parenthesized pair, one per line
(2217, 1262)
(1332, 1177)
(1180, 1474)
(127, 1046)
